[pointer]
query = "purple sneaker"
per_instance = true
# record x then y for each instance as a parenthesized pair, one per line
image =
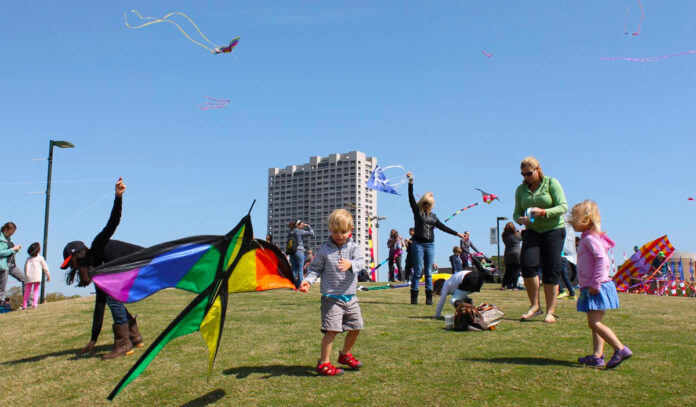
(619, 357)
(592, 361)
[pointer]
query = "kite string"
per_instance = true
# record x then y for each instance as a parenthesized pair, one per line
(80, 213)
(402, 179)
(642, 17)
(165, 19)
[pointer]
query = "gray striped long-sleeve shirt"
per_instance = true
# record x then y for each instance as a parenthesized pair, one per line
(325, 265)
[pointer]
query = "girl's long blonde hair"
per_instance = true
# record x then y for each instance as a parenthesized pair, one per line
(585, 216)
(426, 198)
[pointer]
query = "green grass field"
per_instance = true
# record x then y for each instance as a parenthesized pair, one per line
(271, 344)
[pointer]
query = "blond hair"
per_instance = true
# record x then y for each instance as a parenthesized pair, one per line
(585, 216)
(340, 220)
(426, 198)
(533, 164)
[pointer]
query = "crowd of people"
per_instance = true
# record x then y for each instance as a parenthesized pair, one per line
(545, 252)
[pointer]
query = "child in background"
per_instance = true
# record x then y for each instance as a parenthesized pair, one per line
(33, 268)
(455, 260)
(597, 290)
(460, 286)
(337, 262)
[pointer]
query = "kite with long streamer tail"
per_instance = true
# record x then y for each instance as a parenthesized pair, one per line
(215, 103)
(211, 266)
(647, 59)
(487, 196)
(378, 180)
(213, 48)
(461, 210)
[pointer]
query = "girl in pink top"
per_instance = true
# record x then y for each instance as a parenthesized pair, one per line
(33, 268)
(597, 290)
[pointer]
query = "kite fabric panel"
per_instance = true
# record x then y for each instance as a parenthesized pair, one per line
(248, 265)
(641, 261)
(379, 181)
(190, 264)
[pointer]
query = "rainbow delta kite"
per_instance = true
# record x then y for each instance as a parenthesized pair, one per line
(210, 266)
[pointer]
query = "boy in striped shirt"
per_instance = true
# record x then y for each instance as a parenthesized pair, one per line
(338, 263)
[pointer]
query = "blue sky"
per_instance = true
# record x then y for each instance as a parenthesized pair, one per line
(405, 81)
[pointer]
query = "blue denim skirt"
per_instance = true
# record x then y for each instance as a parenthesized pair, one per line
(606, 299)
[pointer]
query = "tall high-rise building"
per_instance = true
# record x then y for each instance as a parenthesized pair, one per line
(312, 191)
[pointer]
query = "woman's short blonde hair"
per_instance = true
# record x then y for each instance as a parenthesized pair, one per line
(585, 216)
(426, 198)
(532, 163)
(341, 220)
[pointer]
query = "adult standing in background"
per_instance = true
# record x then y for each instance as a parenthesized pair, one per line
(568, 261)
(395, 245)
(512, 239)
(423, 251)
(466, 246)
(539, 205)
(298, 232)
(8, 250)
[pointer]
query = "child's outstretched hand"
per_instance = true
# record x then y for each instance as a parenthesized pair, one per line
(344, 264)
(120, 187)
(304, 287)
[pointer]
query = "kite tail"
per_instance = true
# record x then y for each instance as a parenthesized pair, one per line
(165, 19)
(188, 321)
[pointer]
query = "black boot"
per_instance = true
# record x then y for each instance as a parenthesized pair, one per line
(414, 297)
(428, 297)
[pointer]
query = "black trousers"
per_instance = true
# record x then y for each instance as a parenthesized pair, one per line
(512, 274)
(542, 250)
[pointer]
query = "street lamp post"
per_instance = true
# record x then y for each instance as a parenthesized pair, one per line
(51, 144)
(497, 232)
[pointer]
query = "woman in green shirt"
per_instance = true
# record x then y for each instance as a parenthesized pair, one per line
(539, 205)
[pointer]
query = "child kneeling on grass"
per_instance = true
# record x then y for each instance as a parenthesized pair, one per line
(337, 262)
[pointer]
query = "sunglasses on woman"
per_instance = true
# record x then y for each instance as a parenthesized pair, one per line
(527, 174)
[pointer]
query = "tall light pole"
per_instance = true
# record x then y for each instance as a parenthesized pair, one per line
(61, 144)
(497, 232)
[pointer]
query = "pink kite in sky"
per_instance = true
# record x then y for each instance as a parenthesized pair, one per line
(486, 54)
(690, 199)
(215, 103)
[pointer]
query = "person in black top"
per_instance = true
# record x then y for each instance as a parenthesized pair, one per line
(423, 251)
(82, 260)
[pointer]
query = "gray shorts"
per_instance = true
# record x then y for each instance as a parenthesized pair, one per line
(340, 316)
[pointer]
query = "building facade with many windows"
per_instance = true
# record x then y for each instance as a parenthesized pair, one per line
(313, 190)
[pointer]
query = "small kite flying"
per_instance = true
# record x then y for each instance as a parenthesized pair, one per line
(487, 54)
(215, 49)
(379, 181)
(488, 197)
(215, 103)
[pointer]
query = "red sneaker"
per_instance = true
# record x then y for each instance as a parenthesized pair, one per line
(349, 360)
(327, 369)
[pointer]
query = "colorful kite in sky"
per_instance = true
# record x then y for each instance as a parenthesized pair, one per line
(488, 197)
(461, 210)
(379, 181)
(211, 266)
(487, 54)
(215, 103)
(213, 48)
(690, 199)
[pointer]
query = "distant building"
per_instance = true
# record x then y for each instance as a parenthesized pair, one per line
(312, 191)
